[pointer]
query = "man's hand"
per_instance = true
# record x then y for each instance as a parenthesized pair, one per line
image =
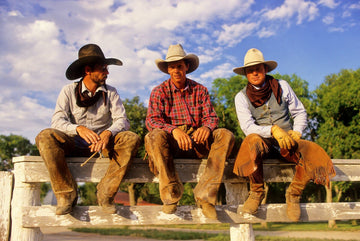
(88, 135)
(201, 135)
(184, 141)
(283, 138)
(294, 134)
(102, 143)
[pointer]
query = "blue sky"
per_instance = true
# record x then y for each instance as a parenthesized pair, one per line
(40, 38)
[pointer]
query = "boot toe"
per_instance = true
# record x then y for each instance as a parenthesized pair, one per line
(169, 208)
(110, 209)
(209, 211)
(66, 202)
(253, 202)
(63, 210)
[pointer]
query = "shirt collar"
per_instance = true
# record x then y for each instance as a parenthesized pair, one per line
(100, 88)
(187, 87)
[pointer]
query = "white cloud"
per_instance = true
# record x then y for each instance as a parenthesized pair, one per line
(329, 3)
(329, 19)
(26, 119)
(336, 29)
(265, 32)
(207, 54)
(233, 34)
(220, 71)
(303, 9)
(355, 6)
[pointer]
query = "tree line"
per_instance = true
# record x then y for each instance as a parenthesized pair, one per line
(333, 122)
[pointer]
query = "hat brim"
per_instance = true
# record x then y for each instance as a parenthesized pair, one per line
(75, 70)
(271, 66)
(192, 59)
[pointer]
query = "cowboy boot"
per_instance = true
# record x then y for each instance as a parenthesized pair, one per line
(293, 193)
(257, 191)
(256, 195)
(169, 208)
(106, 203)
(207, 208)
(65, 202)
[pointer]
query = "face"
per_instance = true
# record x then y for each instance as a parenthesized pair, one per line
(177, 71)
(256, 74)
(98, 74)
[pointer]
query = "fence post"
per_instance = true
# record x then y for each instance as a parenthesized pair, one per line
(331, 223)
(6, 185)
(24, 194)
(236, 193)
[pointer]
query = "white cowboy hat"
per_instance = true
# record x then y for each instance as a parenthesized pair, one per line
(176, 53)
(88, 54)
(254, 57)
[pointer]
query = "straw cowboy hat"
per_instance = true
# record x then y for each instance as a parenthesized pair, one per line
(254, 57)
(176, 53)
(88, 54)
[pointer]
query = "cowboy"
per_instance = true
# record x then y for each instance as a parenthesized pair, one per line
(89, 117)
(182, 123)
(264, 108)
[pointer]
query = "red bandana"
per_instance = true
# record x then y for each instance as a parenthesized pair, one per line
(258, 97)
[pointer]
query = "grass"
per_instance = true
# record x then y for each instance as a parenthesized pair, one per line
(155, 233)
(313, 226)
(183, 232)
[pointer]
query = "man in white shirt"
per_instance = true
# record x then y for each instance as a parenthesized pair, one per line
(264, 109)
(89, 117)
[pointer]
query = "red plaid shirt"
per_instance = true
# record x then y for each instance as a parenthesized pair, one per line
(169, 107)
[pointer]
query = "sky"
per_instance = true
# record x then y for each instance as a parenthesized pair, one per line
(39, 39)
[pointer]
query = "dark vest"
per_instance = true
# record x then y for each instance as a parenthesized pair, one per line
(271, 113)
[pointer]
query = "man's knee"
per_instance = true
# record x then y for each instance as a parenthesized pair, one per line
(253, 139)
(224, 135)
(48, 136)
(156, 136)
(129, 138)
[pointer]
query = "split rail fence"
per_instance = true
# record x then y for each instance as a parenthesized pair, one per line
(22, 214)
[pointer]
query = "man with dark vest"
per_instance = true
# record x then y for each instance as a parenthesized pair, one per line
(273, 120)
(89, 117)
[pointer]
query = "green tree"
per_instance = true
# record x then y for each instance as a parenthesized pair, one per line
(338, 118)
(136, 113)
(338, 107)
(12, 146)
(87, 193)
(223, 93)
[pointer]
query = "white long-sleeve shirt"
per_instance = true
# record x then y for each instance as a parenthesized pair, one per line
(247, 121)
(98, 117)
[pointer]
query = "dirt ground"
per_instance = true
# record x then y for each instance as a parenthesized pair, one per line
(63, 234)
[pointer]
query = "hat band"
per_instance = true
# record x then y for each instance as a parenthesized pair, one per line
(254, 62)
(175, 57)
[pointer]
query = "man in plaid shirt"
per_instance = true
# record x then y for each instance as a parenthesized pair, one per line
(182, 123)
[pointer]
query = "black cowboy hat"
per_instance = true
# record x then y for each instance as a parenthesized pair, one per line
(88, 54)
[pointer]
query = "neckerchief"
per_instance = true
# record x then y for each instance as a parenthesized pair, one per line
(259, 96)
(84, 100)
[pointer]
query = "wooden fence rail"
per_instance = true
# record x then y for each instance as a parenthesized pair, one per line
(28, 215)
